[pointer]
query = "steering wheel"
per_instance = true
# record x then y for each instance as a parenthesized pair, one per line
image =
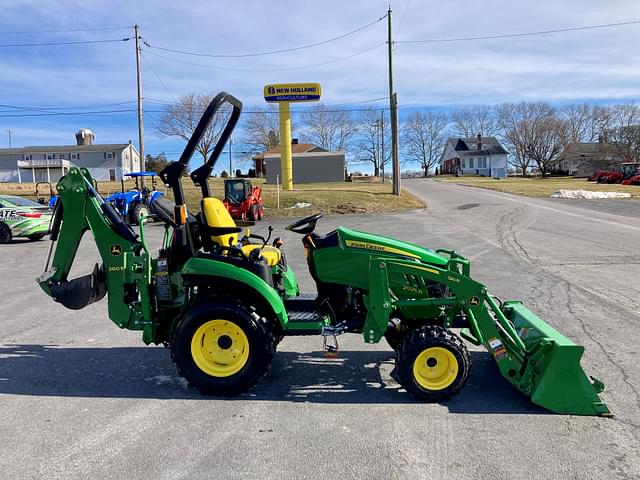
(306, 225)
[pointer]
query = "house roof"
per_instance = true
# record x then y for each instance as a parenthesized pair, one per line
(107, 147)
(467, 146)
(295, 148)
(583, 149)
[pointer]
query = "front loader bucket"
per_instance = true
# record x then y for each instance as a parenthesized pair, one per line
(551, 373)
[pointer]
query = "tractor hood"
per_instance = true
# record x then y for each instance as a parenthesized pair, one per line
(384, 245)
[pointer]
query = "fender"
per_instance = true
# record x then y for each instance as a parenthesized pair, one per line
(154, 196)
(215, 271)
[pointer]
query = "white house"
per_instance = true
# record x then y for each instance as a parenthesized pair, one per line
(49, 163)
(474, 156)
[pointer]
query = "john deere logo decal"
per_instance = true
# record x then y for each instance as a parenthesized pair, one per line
(115, 250)
(474, 301)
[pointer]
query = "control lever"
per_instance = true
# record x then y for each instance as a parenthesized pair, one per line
(268, 237)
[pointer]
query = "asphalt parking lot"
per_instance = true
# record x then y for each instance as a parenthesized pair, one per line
(82, 399)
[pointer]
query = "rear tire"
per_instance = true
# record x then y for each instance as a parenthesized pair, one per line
(222, 349)
(260, 212)
(433, 364)
(5, 233)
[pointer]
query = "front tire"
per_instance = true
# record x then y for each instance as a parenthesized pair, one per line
(253, 213)
(222, 349)
(139, 209)
(433, 363)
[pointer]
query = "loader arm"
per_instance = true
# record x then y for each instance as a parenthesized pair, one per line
(535, 358)
(125, 271)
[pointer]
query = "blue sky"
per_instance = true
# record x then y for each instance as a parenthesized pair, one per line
(594, 65)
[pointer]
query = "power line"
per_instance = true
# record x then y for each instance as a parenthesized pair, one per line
(44, 109)
(144, 59)
(270, 52)
(522, 34)
(406, 7)
(68, 30)
(52, 114)
(56, 44)
(127, 111)
(300, 67)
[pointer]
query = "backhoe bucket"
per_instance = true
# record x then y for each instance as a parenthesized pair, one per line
(551, 373)
(82, 291)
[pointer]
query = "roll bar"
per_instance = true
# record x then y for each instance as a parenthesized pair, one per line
(173, 173)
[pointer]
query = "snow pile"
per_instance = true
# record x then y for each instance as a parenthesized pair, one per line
(586, 194)
(301, 205)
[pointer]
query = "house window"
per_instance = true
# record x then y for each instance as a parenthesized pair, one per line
(112, 175)
(75, 156)
(482, 163)
(471, 162)
(49, 156)
(108, 155)
(61, 156)
(27, 157)
(462, 163)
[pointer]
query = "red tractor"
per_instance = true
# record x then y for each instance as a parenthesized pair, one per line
(243, 201)
(610, 177)
(635, 180)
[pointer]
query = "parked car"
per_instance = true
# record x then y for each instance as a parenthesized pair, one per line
(21, 217)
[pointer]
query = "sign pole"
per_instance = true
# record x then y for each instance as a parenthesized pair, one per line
(286, 166)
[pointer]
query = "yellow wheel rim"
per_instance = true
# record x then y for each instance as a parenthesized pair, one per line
(220, 348)
(435, 368)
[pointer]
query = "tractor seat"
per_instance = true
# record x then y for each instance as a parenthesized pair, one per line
(216, 215)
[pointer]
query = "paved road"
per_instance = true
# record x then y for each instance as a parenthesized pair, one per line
(80, 398)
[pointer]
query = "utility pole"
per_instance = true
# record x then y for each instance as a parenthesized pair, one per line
(140, 122)
(10, 132)
(382, 141)
(230, 166)
(393, 114)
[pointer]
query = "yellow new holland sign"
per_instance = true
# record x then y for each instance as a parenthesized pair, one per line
(292, 92)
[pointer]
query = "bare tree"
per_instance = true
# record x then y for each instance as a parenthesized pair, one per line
(548, 139)
(586, 123)
(474, 120)
(372, 141)
(424, 135)
(515, 133)
(624, 134)
(181, 117)
(328, 128)
(261, 129)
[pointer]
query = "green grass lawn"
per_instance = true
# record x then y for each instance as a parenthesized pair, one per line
(328, 198)
(537, 186)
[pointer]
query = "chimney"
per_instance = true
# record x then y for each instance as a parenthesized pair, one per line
(479, 142)
(294, 141)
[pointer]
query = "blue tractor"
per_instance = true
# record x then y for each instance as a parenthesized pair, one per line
(136, 201)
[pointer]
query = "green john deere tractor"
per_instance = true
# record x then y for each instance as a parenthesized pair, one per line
(221, 298)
